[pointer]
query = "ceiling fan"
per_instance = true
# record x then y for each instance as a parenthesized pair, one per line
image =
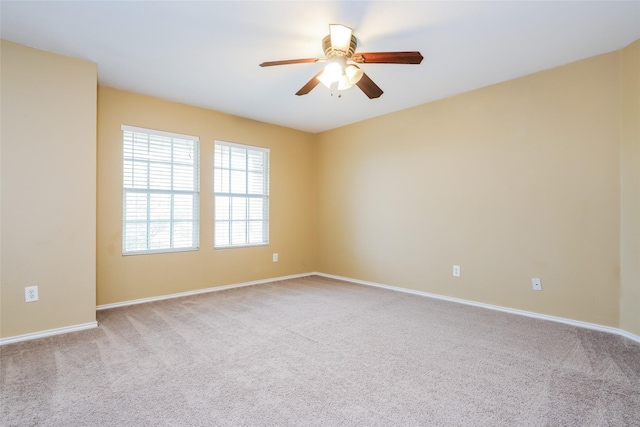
(339, 48)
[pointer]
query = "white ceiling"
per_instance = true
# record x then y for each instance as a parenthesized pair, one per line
(207, 53)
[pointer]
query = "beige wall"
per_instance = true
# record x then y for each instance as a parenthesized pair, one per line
(511, 182)
(536, 177)
(630, 231)
(292, 202)
(48, 175)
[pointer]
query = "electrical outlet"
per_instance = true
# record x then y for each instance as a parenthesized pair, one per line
(31, 294)
(535, 283)
(456, 271)
(275, 257)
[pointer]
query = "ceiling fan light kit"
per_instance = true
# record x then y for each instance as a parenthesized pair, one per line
(337, 72)
(339, 47)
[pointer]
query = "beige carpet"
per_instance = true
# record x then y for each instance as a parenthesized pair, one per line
(319, 352)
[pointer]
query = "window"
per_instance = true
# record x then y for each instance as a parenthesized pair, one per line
(161, 183)
(241, 187)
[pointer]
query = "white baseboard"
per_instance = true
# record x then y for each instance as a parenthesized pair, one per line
(90, 325)
(200, 291)
(572, 322)
(48, 333)
(75, 328)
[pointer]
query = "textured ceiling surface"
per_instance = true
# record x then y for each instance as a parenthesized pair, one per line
(207, 53)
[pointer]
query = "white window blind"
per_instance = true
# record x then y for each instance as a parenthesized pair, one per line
(161, 184)
(241, 187)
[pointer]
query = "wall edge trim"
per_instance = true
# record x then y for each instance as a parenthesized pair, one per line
(578, 323)
(200, 291)
(48, 333)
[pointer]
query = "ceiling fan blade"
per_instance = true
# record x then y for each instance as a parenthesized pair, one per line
(388, 58)
(291, 61)
(369, 88)
(310, 85)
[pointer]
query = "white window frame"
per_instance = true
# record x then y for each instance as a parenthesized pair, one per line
(217, 176)
(194, 192)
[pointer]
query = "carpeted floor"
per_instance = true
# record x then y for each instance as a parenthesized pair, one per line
(320, 352)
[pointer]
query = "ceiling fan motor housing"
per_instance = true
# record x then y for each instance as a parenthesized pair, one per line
(330, 52)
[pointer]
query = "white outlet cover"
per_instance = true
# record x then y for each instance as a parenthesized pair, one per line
(536, 284)
(275, 257)
(31, 293)
(456, 271)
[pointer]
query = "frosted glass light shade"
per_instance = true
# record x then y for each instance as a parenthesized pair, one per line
(340, 37)
(353, 73)
(333, 71)
(344, 83)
